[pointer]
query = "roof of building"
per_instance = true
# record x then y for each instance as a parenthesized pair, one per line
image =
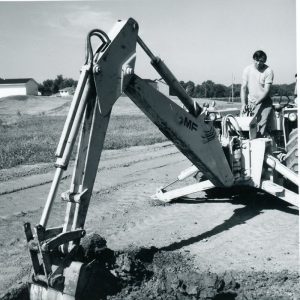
(67, 89)
(15, 80)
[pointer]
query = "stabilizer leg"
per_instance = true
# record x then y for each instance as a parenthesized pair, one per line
(187, 190)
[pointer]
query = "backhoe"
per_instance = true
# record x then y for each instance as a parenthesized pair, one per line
(228, 158)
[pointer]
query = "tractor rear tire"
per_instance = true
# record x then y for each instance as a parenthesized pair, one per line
(291, 158)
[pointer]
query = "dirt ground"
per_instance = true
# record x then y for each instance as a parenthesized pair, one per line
(231, 246)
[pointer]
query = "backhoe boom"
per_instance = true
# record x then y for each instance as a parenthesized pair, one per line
(108, 72)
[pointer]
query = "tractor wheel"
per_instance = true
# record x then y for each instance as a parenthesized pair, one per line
(293, 133)
(291, 158)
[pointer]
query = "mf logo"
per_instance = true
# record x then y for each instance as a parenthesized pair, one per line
(188, 123)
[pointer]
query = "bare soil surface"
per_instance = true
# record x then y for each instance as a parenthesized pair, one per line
(13, 106)
(236, 245)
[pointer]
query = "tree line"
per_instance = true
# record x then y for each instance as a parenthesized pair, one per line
(207, 89)
(52, 86)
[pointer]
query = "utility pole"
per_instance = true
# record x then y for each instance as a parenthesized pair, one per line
(232, 89)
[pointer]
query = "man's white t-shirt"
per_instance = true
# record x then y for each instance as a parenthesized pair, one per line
(256, 80)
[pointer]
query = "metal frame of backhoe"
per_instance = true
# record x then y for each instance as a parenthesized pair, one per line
(260, 168)
(107, 73)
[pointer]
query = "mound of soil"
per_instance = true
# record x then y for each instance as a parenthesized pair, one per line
(152, 274)
(173, 277)
(30, 105)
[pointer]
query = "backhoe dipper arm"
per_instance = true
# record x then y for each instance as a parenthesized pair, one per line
(107, 73)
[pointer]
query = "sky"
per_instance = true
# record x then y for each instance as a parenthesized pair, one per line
(198, 40)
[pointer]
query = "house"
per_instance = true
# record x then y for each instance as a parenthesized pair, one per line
(68, 91)
(18, 86)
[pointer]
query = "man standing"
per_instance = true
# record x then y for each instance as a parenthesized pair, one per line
(257, 79)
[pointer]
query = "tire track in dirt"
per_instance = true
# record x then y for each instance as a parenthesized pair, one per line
(27, 205)
(14, 197)
(110, 159)
(217, 235)
(221, 235)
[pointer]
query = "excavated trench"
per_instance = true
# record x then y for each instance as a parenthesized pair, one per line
(154, 274)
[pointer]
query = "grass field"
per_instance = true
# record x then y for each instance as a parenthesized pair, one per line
(30, 127)
(33, 139)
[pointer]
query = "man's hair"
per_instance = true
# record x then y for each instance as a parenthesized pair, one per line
(260, 54)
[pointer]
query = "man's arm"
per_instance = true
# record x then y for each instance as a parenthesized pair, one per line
(244, 90)
(244, 93)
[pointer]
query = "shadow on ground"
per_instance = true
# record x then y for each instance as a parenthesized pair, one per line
(254, 203)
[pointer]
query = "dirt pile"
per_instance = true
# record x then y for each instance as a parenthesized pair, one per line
(173, 277)
(152, 274)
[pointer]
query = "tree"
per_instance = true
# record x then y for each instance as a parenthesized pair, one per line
(282, 89)
(68, 82)
(189, 88)
(46, 87)
(57, 84)
(208, 88)
(197, 91)
(219, 90)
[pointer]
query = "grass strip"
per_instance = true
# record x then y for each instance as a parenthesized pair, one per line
(34, 139)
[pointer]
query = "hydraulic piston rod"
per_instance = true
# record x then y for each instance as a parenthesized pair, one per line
(171, 80)
(51, 196)
(73, 110)
(67, 141)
